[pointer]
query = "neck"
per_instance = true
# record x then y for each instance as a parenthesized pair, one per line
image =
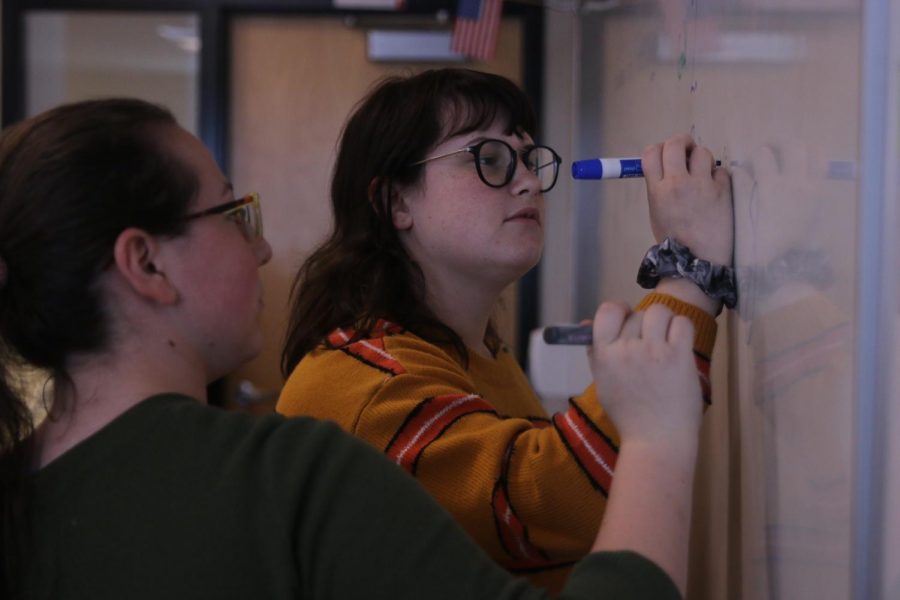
(105, 386)
(465, 307)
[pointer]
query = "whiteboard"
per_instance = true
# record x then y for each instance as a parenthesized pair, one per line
(777, 90)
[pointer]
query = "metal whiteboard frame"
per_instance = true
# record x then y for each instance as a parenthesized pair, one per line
(874, 302)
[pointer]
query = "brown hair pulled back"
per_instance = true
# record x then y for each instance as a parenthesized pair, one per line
(71, 180)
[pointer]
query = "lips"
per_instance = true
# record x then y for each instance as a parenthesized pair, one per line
(527, 214)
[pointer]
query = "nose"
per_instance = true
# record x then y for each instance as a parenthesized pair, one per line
(524, 181)
(262, 250)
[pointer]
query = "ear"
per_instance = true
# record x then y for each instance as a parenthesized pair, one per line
(401, 216)
(382, 191)
(134, 254)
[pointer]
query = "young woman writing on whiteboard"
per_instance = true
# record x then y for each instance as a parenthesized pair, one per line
(129, 271)
(438, 197)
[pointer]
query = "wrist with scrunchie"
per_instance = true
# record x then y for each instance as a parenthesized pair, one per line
(672, 259)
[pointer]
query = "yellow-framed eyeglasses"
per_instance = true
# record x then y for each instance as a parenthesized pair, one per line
(244, 211)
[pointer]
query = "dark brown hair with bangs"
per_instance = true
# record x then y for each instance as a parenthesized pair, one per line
(362, 273)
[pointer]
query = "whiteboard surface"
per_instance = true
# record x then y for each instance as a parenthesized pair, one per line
(774, 89)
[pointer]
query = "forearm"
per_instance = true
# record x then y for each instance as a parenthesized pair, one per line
(657, 413)
(649, 508)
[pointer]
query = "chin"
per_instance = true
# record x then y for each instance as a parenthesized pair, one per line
(530, 259)
(252, 350)
(518, 267)
(243, 354)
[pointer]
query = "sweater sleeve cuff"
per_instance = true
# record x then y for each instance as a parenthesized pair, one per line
(705, 326)
(621, 574)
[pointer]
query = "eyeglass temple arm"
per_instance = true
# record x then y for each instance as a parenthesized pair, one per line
(425, 160)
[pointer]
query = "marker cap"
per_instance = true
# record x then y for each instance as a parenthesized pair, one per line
(587, 169)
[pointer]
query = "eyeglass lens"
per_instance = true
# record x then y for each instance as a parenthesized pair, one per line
(249, 219)
(542, 162)
(496, 163)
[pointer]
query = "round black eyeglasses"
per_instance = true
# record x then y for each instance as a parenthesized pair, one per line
(496, 162)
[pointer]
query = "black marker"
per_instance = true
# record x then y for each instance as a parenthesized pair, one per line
(574, 335)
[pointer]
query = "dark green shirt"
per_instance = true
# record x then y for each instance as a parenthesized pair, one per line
(176, 500)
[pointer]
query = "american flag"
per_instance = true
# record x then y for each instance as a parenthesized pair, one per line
(477, 24)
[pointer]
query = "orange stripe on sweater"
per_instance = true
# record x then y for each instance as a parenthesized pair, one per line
(342, 336)
(339, 337)
(384, 328)
(512, 532)
(703, 372)
(427, 422)
(370, 350)
(593, 451)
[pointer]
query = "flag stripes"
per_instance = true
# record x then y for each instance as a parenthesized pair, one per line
(476, 28)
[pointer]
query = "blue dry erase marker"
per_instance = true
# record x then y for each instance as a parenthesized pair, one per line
(575, 335)
(610, 168)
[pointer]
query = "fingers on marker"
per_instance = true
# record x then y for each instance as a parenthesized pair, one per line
(608, 322)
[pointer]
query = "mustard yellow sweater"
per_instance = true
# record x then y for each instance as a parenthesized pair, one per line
(528, 487)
